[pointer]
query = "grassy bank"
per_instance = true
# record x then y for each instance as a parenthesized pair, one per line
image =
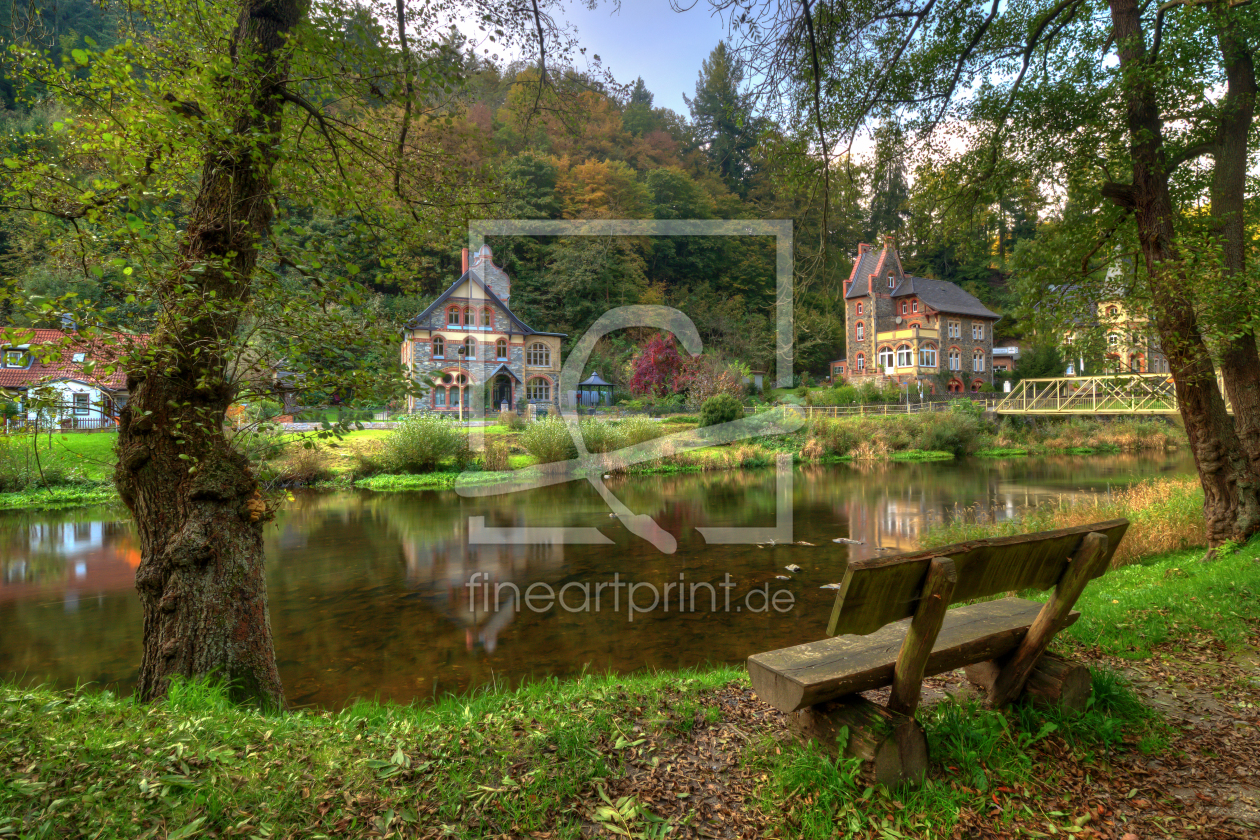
(650, 754)
(1164, 514)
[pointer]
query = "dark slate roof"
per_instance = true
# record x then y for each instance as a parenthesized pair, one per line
(861, 274)
(420, 320)
(594, 380)
(502, 369)
(944, 296)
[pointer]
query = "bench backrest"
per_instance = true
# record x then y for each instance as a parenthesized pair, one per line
(882, 590)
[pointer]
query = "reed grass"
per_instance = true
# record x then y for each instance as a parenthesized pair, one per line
(1165, 514)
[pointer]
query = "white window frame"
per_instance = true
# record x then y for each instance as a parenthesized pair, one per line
(81, 402)
(977, 361)
(927, 356)
(860, 331)
(905, 356)
(886, 357)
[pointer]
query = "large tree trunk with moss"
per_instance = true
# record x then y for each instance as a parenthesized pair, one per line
(196, 504)
(1240, 364)
(1232, 497)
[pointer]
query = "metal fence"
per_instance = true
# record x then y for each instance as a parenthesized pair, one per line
(23, 425)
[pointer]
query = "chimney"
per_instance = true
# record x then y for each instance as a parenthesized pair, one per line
(888, 242)
(465, 268)
(863, 248)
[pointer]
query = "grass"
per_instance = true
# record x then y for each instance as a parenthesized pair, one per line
(55, 498)
(1165, 514)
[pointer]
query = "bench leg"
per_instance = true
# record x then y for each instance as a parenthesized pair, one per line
(1087, 563)
(1053, 681)
(892, 747)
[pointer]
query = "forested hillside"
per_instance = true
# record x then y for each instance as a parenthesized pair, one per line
(499, 145)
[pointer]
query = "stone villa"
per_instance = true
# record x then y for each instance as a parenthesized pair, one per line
(903, 329)
(469, 339)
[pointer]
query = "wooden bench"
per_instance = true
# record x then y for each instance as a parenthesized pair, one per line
(891, 625)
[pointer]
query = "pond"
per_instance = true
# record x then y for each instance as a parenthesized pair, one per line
(370, 592)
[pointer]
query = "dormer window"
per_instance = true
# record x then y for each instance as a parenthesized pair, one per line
(17, 359)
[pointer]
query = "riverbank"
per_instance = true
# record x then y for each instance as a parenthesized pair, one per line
(682, 753)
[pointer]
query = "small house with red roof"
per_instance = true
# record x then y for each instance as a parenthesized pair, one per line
(907, 330)
(75, 376)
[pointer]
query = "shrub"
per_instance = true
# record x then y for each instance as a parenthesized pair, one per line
(303, 465)
(638, 429)
(421, 442)
(511, 420)
(548, 440)
(495, 457)
(602, 436)
(722, 408)
(957, 433)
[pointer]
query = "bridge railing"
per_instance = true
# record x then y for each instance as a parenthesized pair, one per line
(1115, 394)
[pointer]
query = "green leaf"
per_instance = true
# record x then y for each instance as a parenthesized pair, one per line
(187, 831)
(80, 56)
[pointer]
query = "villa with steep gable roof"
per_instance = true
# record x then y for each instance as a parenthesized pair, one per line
(469, 338)
(904, 329)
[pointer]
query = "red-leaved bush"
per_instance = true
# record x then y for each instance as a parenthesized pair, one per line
(656, 369)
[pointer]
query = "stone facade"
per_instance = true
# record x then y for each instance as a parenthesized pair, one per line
(909, 330)
(470, 349)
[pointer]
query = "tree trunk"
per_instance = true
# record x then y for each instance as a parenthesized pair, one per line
(196, 504)
(1231, 496)
(1240, 365)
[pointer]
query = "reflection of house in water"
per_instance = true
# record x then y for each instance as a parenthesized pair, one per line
(74, 558)
(441, 571)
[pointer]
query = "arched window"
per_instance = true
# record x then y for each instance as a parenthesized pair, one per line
(860, 331)
(500, 349)
(914, 306)
(538, 390)
(486, 319)
(859, 307)
(905, 356)
(452, 316)
(977, 384)
(955, 362)
(892, 278)
(885, 358)
(1113, 339)
(468, 317)
(538, 355)
(439, 347)
(470, 348)
(1113, 311)
(927, 356)
(977, 361)
(955, 387)
(860, 362)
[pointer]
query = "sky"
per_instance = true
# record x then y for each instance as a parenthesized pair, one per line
(647, 38)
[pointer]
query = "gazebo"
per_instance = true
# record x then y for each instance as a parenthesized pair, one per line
(594, 391)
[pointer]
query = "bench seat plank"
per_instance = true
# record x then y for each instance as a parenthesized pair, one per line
(792, 678)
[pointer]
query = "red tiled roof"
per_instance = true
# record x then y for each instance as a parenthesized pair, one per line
(63, 366)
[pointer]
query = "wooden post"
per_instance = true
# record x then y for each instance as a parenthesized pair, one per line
(892, 748)
(938, 588)
(1083, 566)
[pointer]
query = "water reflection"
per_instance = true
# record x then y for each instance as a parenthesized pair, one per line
(370, 592)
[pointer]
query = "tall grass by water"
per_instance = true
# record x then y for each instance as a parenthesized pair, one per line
(1165, 514)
